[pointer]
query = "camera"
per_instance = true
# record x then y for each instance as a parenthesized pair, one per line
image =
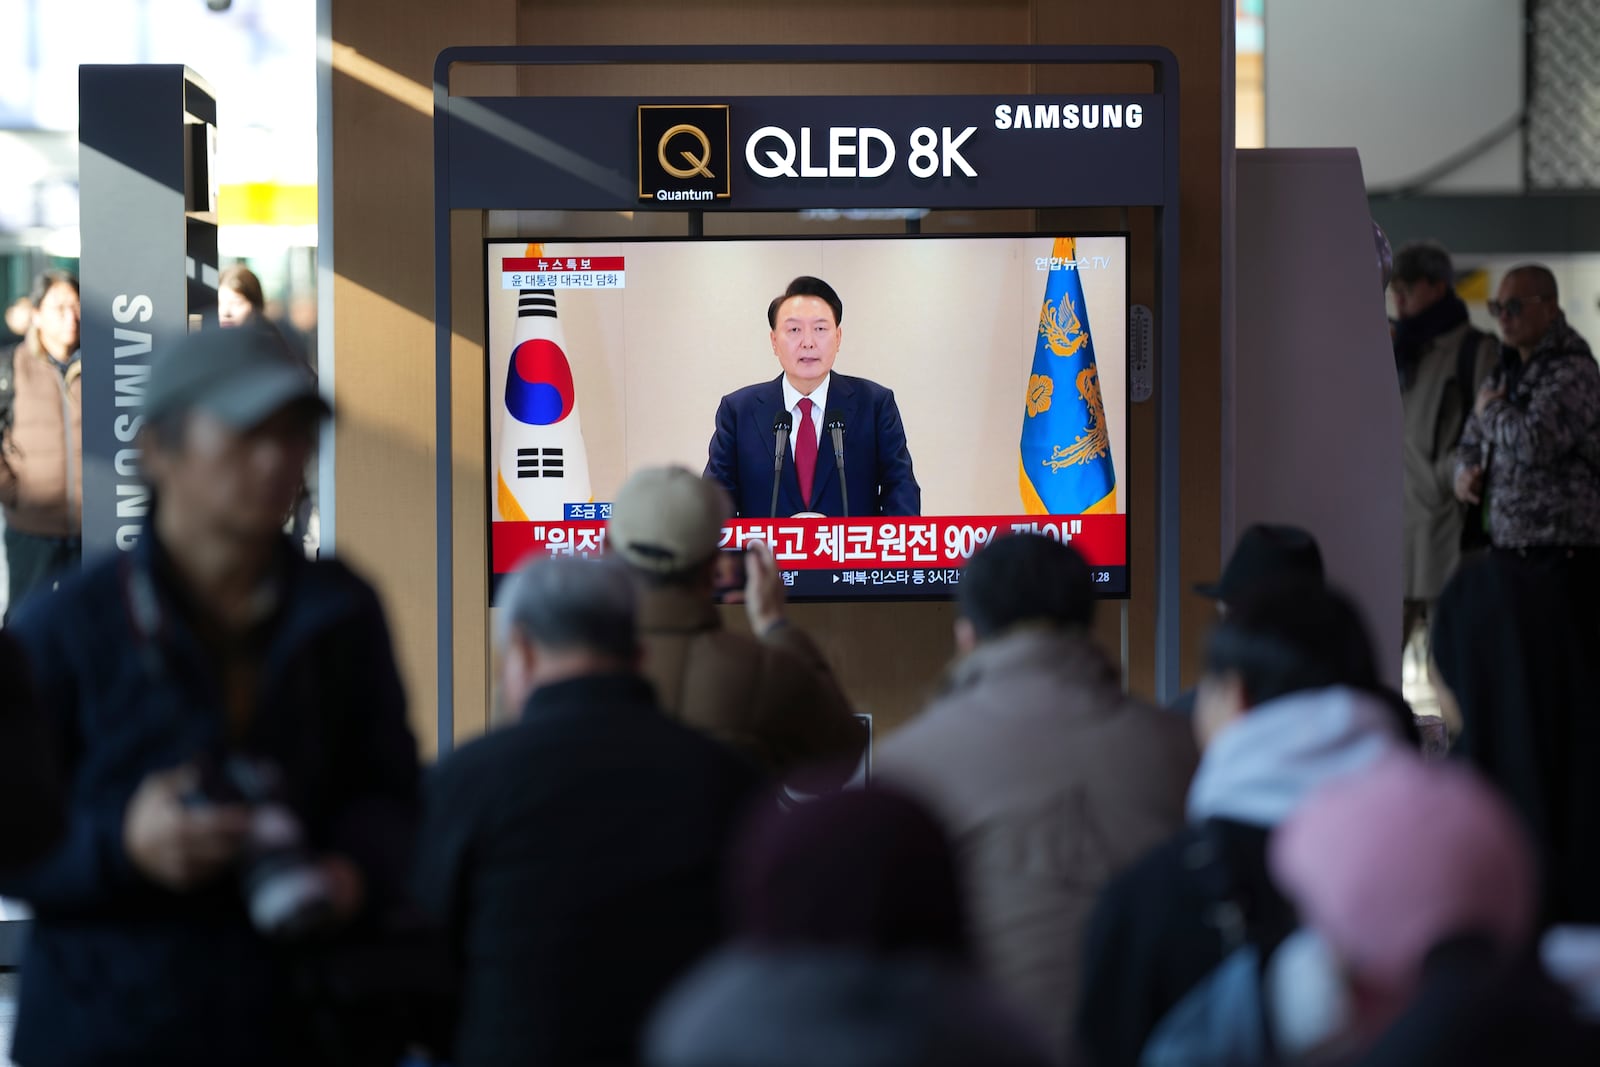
(287, 893)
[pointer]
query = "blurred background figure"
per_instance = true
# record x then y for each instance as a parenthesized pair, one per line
(851, 948)
(41, 442)
(573, 856)
(18, 320)
(1049, 779)
(1516, 660)
(1288, 703)
(1441, 360)
(1530, 450)
(1421, 883)
(239, 296)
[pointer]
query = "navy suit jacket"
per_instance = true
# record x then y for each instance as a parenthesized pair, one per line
(877, 464)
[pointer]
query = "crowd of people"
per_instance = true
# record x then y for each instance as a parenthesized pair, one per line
(668, 852)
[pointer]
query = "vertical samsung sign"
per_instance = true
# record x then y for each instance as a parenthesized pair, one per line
(146, 255)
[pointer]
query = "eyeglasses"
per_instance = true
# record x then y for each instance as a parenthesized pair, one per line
(1513, 307)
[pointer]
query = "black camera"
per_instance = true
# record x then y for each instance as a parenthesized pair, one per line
(287, 893)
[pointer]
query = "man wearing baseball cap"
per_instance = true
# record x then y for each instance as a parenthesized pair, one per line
(770, 693)
(211, 646)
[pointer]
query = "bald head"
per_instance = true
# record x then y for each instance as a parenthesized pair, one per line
(1526, 306)
(1538, 279)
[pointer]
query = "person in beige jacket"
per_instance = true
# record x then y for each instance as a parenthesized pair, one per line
(768, 694)
(41, 462)
(1049, 779)
(1441, 361)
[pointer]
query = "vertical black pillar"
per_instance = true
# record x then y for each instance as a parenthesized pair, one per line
(147, 141)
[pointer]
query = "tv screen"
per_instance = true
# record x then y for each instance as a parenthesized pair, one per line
(877, 408)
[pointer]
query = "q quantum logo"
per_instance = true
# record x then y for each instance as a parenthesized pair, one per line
(684, 152)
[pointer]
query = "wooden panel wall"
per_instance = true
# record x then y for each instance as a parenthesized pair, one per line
(889, 655)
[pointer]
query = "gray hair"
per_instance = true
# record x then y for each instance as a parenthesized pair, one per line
(1423, 261)
(570, 603)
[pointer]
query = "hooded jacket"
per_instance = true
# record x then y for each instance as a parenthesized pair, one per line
(1162, 926)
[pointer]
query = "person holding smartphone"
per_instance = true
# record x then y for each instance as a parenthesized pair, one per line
(769, 693)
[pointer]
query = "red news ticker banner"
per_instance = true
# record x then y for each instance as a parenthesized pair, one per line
(831, 544)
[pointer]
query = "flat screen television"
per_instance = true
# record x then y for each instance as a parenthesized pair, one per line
(968, 388)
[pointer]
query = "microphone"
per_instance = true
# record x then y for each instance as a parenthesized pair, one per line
(782, 423)
(833, 422)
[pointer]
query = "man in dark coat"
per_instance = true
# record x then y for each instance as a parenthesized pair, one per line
(212, 643)
(574, 855)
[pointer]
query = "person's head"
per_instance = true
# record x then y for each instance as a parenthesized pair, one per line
(239, 295)
(1526, 305)
(805, 322)
(1022, 580)
(1266, 554)
(57, 313)
(19, 316)
(1422, 276)
(1284, 638)
(230, 419)
(563, 617)
(867, 870)
(1388, 864)
(666, 524)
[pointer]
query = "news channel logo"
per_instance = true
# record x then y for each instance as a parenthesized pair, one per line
(684, 152)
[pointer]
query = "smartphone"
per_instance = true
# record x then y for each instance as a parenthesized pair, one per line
(728, 576)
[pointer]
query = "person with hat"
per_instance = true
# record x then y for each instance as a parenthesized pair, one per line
(573, 856)
(768, 694)
(216, 699)
(1266, 553)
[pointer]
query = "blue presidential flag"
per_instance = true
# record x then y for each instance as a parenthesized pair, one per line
(1065, 451)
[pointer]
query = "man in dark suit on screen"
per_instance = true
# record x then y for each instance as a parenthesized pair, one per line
(877, 465)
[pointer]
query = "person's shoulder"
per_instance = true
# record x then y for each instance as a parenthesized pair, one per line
(91, 598)
(1168, 728)
(742, 398)
(480, 765)
(332, 580)
(875, 391)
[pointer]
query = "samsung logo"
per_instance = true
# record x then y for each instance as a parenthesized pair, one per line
(1068, 116)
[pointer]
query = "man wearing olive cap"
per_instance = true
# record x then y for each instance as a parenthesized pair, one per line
(212, 642)
(769, 694)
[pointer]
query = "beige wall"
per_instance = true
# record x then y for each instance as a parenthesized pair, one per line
(949, 324)
(383, 255)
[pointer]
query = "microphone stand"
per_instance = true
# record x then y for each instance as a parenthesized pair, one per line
(835, 425)
(781, 425)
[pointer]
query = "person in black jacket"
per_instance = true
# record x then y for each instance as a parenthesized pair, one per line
(1287, 704)
(32, 801)
(574, 855)
(210, 647)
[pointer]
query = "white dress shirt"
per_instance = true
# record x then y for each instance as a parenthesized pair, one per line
(819, 400)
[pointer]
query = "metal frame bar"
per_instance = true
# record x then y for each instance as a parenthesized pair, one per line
(1165, 68)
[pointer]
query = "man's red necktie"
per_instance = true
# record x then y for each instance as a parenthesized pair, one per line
(805, 451)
